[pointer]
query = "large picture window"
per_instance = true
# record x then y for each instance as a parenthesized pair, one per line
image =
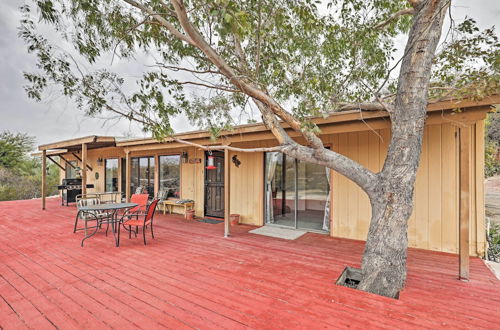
(170, 175)
(111, 175)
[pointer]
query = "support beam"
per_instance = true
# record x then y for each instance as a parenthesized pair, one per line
(67, 162)
(465, 167)
(84, 169)
(227, 202)
(57, 163)
(44, 177)
(77, 157)
(127, 175)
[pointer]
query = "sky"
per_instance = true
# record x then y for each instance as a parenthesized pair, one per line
(58, 119)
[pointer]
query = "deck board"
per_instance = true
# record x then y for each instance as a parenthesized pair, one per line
(191, 277)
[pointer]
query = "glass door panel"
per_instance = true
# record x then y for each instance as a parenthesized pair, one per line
(280, 177)
(142, 175)
(296, 192)
(312, 194)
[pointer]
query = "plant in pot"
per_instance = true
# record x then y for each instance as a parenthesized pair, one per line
(234, 219)
(190, 215)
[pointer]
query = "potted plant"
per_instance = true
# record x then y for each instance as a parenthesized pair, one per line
(235, 219)
(190, 215)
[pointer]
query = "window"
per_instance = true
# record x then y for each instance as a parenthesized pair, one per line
(71, 172)
(170, 175)
(111, 175)
(142, 175)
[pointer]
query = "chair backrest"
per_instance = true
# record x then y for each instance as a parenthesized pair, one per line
(139, 199)
(151, 210)
(162, 194)
(89, 201)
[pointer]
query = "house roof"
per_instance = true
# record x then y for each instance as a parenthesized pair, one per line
(333, 118)
(95, 141)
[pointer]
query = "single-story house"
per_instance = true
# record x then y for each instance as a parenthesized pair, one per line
(275, 190)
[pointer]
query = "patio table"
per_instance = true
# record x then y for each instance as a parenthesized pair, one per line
(113, 208)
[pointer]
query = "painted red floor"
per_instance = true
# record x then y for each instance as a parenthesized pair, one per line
(191, 277)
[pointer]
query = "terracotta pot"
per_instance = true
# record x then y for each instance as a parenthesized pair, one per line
(190, 215)
(235, 219)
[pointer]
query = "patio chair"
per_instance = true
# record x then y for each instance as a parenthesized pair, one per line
(101, 216)
(144, 223)
(142, 203)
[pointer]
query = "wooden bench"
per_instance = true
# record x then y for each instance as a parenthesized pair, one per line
(170, 203)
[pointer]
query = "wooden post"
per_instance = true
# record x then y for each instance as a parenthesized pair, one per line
(464, 203)
(44, 177)
(227, 208)
(127, 175)
(156, 179)
(84, 169)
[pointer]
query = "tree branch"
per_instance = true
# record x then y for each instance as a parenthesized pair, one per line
(227, 147)
(222, 88)
(161, 20)
(244, 86)
(406, 11)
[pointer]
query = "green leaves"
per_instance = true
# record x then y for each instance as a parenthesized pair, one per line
(307, 58)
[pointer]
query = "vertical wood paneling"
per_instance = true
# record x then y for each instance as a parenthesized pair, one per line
(422, 197)
(449, 201)
(434, 184)
(343, 195)
(479, 180)
(363, 212)
(353, 189)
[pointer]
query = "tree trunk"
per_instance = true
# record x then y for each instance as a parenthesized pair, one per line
(384, 260)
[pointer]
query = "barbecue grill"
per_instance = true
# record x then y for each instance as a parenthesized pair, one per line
(70, 189)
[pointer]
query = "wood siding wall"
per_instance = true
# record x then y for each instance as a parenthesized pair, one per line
(433, 224)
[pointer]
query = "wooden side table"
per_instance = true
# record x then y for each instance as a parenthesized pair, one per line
(169, 204)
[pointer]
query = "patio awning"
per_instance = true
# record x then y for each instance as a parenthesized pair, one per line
(73, 145)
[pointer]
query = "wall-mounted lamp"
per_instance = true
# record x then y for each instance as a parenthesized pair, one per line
(184, 157)
(100, 161)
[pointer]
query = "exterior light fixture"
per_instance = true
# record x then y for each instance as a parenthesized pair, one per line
(184, 157)
(100, 161)
(210, 162)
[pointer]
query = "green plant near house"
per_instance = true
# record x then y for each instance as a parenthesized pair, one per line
(492, 143)
(493, 237)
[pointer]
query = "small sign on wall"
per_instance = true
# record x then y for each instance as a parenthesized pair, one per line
(194, 160)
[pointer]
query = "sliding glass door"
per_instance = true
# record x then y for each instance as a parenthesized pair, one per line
(170, 175)
(142, 175)
(296, 193)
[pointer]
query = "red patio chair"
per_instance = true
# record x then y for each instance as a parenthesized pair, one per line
(142, 203)
(144, 223)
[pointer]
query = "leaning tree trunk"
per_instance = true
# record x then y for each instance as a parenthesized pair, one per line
(384, 259)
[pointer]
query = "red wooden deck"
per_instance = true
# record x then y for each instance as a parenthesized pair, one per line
(191, 277)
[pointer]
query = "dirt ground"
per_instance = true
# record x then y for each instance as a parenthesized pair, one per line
(492, 192)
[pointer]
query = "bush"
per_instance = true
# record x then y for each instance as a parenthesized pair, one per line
(493, 238)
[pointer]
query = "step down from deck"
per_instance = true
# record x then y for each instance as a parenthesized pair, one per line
(279, 232)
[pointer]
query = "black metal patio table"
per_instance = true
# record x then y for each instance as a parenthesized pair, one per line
(113, 220)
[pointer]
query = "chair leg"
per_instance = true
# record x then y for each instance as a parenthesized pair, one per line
(144, 234)
(76, 222)
(129, 232)
(152, 235)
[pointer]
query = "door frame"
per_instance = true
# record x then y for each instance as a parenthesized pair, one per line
(206, 154)
(296, 196)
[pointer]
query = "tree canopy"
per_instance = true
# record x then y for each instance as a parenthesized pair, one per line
(312, 57)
